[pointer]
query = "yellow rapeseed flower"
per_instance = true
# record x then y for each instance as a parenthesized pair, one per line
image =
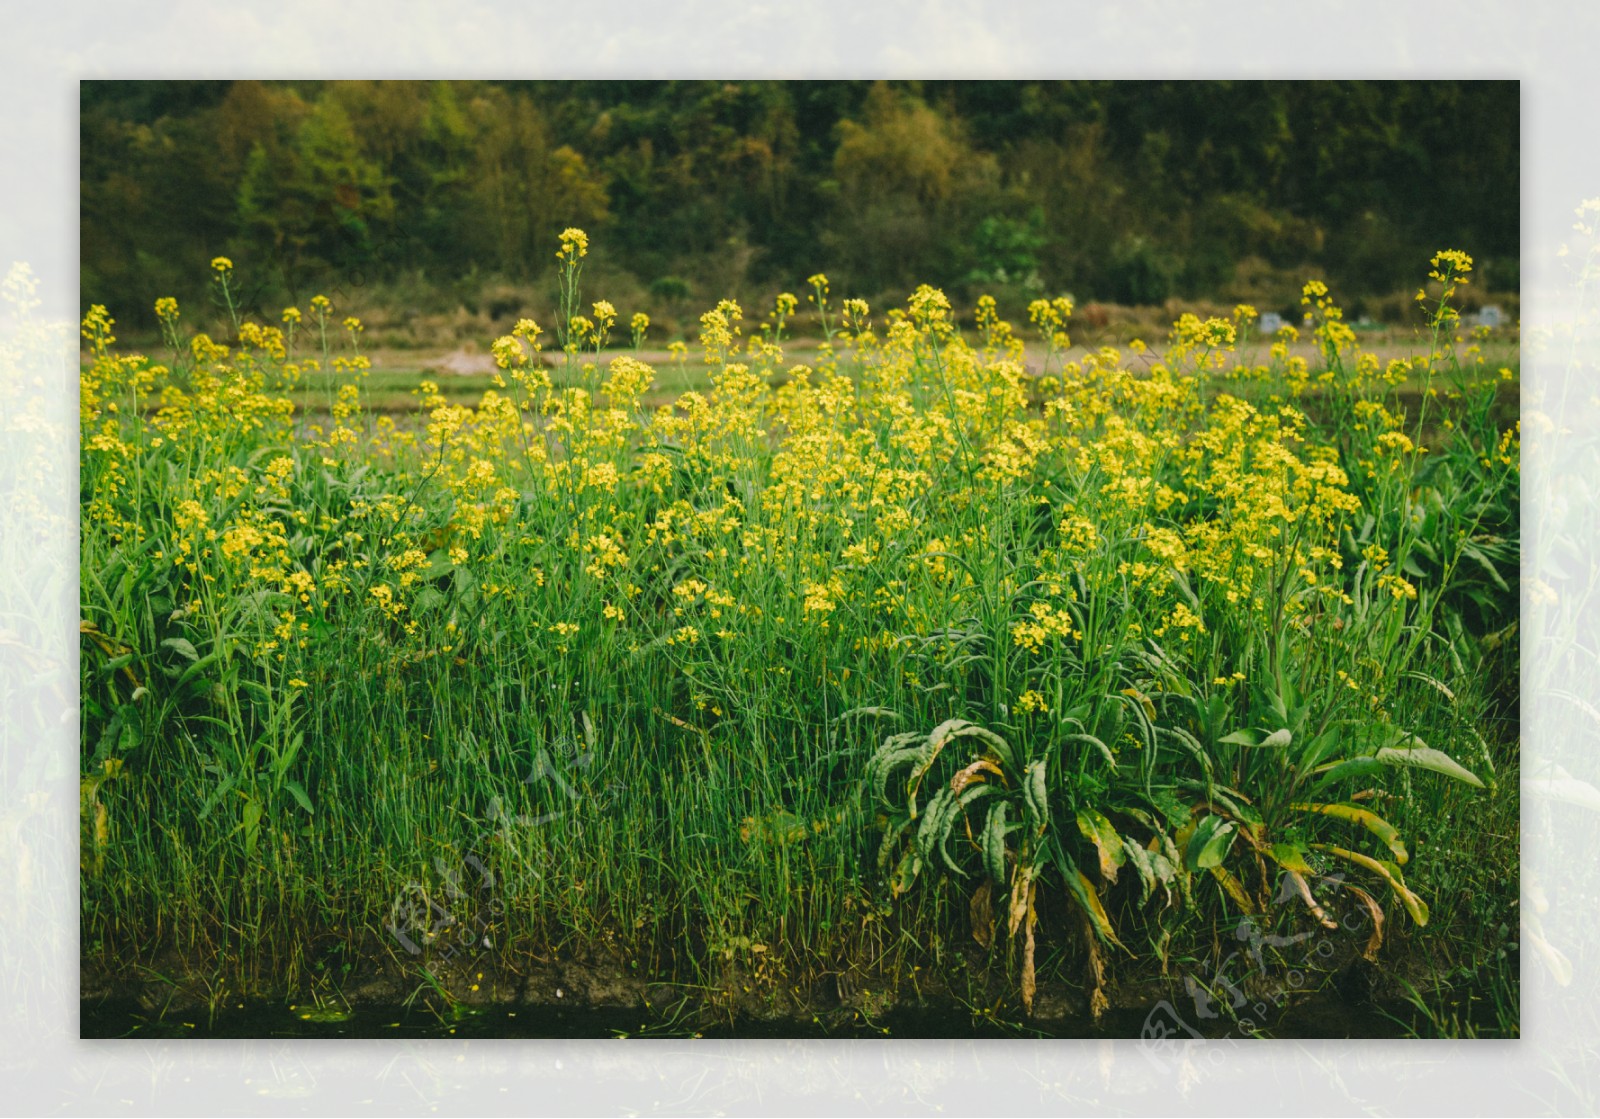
(1030, 700)
(574, 244)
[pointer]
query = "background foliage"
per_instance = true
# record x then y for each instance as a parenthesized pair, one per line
(1130, 192)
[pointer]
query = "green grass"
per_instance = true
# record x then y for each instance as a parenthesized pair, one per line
(659, 690)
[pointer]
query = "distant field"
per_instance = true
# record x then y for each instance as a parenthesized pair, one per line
(391, 387)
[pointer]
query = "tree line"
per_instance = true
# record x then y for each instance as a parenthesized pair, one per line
(1131, 192)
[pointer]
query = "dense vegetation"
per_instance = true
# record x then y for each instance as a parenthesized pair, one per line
(1123, 192)
(824, 668)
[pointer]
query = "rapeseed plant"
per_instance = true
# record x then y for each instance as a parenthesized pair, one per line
(1157, 619)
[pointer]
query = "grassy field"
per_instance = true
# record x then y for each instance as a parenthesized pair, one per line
(937, 663)
(393, 382)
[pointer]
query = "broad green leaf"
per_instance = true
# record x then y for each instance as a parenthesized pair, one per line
(298, 791)
(1164, 863)
(1367, 819)
(1141, 860)
(1483, 561)
(1326, 744)
(428, 598)
(1000, 745)
(896, 750)
(957, 814)
(193, 671)
(993, 842)
(183, 647)
(1098, 831)
(1232, 800)
(252, 825)
(929, 753)
(892, 835)
(281, 764)
(1279, 707)
(1174, 811)
(1105, 751)
(1035, 796)
(935, 818)
(1423, 756)
(1390, 873)
(906, 873)
(1188, 742)
(1254, 738)
(1080, 885)
(1290, 856)
(1334, 772)
(1209, 845)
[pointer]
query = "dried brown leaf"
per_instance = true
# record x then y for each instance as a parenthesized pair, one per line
(1375, 941)
(1304, 889)
(1098, 1003)
(1021, 884)
(1028, 979)
(972, 773)
(981, 910)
